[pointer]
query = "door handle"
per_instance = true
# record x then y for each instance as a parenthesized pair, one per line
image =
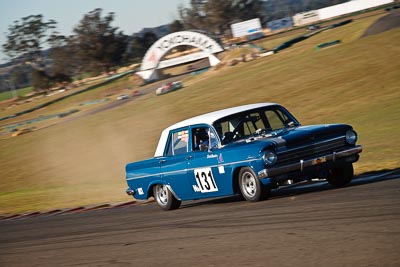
(162, 161)
(189, 157)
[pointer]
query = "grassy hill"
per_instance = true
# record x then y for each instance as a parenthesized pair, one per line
(82, 161)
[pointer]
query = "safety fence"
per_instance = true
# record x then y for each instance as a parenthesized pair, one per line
(306, 36)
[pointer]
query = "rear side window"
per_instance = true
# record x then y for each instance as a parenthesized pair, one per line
(178, 143)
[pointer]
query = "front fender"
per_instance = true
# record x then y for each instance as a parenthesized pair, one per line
(256, 165)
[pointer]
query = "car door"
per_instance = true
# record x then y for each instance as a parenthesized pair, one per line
(174, 163)
(206, 171)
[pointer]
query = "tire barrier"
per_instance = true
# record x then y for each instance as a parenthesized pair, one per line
(306, 36)
(197, 72)
(14, 127)
(328, 44)
(97, 101)
(259, 48)
(290, 43)
(341, 23)
(107, 81)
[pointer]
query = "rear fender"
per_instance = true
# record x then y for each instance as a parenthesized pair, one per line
(151, 185)
(150, 189)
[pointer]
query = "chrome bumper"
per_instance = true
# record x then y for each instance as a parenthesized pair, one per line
(299, 166)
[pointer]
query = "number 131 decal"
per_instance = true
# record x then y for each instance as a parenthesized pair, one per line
(205, 180)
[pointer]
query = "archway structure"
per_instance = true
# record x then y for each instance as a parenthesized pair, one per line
(155, 54)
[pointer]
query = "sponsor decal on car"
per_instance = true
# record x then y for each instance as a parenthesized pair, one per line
(205, 180)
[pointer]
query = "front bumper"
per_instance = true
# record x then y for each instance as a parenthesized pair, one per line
(300, 165)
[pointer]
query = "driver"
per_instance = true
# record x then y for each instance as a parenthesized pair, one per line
(202, 139)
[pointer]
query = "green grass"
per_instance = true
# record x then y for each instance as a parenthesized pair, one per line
(82, 162)
(19, 92)
(39, 100)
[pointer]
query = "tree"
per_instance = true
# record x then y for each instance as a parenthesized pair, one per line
(97, 43)
(26, 38)
(20, 75)
(135, 49)
(62, 63)
(193, 17)
(138, 46)
(40, 79)
(245, 9)
(25, 42)
(217, 16)
(148, 39)
(176, 26)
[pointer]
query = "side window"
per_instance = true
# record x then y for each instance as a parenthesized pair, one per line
(178, 143)
(203, 138)
(274, 120)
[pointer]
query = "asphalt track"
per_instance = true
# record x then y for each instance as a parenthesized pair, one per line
(311, 225)
(388, 22)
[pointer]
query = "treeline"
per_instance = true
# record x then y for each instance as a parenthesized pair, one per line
(95, 46)
(217, 16)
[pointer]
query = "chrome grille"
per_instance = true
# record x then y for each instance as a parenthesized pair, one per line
(312, 150)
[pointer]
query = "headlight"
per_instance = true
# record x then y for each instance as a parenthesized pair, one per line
(270, 158)
(351, 137)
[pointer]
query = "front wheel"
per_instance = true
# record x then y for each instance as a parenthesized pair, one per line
(251, 187)
(164, 198)
(341, 175)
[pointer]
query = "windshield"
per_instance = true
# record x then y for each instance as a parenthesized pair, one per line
(251, 123)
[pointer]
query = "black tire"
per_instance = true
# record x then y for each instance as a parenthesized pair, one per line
(164, 198)
(341, 175)
(251, 187)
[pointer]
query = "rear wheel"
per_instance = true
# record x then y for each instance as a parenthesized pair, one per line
(164, 198)
(341, 175)
(251, 187)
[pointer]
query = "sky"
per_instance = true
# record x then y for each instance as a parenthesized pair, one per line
(130, 15)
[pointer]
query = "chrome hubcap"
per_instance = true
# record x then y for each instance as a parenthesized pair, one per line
(162, 194)
(249, 184)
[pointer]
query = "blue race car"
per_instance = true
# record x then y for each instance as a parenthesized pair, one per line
(245, 150)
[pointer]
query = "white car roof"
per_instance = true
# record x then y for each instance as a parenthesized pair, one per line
(208, 118)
